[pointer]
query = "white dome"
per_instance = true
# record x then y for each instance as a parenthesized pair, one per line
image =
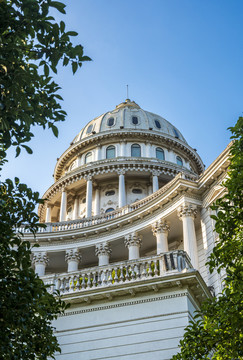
(128, 115)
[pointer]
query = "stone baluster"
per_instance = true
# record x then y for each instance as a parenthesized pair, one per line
(76, 208)
(97, 201)
(187, 213)
(155, 174)
(40, 260)
(48, 213)
(103, 252)
(160, 230)
(89, 189)
(133, 243)
(72, 258)
(122, 190)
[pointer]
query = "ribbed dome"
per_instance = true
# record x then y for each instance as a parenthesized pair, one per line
(129, 115)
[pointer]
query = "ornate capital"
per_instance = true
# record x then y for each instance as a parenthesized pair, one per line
(187, 210)
(160, 226)
(121, 171)
(102, 249)
(40, 258)
(88, 177)
(133, 240)
(73, 255)
(155, 172)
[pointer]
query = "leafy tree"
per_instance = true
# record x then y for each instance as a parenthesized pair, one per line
(216, 331)
(32, 45)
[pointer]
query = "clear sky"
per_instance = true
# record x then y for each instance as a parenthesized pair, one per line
(182, 59)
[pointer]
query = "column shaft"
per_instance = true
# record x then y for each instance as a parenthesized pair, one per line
(155, 183)
(122, 191)
(75, 208)
(63, 209)
(97, 201)
(48, 214)
(190, 241)
(89, 198)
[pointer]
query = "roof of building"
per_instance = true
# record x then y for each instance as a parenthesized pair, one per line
(128, 115)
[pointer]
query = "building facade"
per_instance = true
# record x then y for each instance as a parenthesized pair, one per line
(127, 237)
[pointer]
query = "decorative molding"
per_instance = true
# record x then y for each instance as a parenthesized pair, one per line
(129, 303)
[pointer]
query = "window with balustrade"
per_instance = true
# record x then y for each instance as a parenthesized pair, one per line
(179, 161)
(88, 157)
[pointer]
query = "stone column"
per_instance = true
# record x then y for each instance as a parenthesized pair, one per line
(48, 213)
(133, 243)
(97, 201)
(122, 148)
(122, 190)
(75, 208)
(155, 174)
(160, 230)
(63, 208)
(148, 150)
(40, 260)
(89, 196)
(103, 252)
(187, 214)
(98, 152)
(72, 258)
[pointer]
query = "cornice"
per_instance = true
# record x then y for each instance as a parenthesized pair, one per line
(105, 136)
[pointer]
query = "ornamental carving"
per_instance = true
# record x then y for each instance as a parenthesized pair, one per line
(40, 258)
(73, 255)
(156, 172)
(103, 249)
(133, 240)
(187, 210)
(121, 171)
(160, 226)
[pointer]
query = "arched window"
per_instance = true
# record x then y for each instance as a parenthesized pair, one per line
(110, 152)
(157, 124)
(109, 210)
(110, 121)
(176, 133)
(110, 193)
(136, 150)
(179, 161)
(89, 129)
(88, 157)
(137, 191)
(160, 153)
(135, 120)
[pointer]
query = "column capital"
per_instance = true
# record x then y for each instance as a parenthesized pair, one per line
(160, 226)
(72, 255)
(155, 172)
(121, 171)
(88, 177)
(103, 249)
(187, 210)
(40, 257)
(133, 240)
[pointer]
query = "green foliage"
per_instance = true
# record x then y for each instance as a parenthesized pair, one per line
(32, 44)
(216, 332)
(26, 307)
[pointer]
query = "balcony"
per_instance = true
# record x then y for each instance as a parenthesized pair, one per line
(123, 277)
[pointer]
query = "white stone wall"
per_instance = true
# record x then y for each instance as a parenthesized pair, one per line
(139, 328)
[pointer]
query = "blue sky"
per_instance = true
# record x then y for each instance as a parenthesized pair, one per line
(182, 59)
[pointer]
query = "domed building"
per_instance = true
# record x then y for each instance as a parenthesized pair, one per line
(127, 237)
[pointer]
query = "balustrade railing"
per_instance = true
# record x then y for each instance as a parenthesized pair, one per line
(119, 273)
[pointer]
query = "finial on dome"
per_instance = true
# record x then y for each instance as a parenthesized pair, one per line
(127, 95)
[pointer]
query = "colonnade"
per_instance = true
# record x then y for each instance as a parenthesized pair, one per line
(133, 242)
(89, 195)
